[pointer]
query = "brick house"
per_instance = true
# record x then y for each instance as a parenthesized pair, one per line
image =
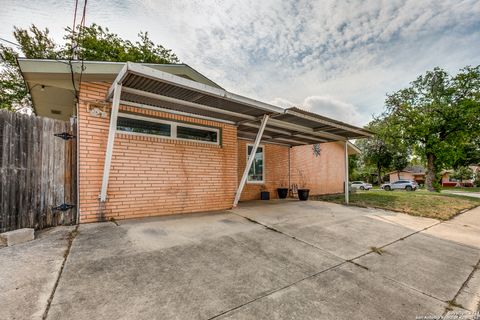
(414, 173)
(164, 139)
(449, 181)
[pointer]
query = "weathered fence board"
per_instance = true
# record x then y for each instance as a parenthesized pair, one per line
(38, 172)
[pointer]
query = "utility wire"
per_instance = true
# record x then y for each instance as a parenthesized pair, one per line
(73, 28)
(10, 42)
(75, 45)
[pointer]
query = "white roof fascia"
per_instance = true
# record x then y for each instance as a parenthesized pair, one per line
(326, 122)
(118, 80)
(155, 74)
(287, 125)
(254, 103)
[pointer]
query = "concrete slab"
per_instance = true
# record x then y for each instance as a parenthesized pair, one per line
(346, 239)
(281, 211)
(428, 264)
(459, 233)
(28, 273)
(470, 218)
(18, 236)
(189, 268)
(346, 292)
(405, 220)
(346, 232)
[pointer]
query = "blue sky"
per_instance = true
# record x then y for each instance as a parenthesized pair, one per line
(337, 58)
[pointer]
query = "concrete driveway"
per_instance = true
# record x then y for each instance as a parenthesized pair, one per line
(264, 260)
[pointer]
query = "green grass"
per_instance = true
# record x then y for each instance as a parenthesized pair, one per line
(419, 203)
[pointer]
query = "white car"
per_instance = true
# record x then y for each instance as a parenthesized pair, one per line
(361, 185)
(400, 185)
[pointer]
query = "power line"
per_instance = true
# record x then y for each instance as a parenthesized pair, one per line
(73, 29)
(10, 42)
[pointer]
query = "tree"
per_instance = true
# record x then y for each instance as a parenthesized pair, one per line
(399, 162)
(93, 43)
(35, 44)
(469, 154)
(377, 153)
(437, 113)
(463, 173)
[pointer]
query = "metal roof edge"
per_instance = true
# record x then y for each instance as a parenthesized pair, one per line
(203, 76)
(142, 70)
(326, 120)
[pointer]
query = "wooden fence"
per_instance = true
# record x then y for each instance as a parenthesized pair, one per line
(38, 172)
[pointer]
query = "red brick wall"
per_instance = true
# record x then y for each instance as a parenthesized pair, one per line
(275, 170)
(151, 175)
(323, 174)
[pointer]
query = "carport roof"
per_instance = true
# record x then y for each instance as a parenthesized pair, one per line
(147, 87)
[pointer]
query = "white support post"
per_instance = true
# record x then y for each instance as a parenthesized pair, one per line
(250, 160)
(346, 174)
(111, 139)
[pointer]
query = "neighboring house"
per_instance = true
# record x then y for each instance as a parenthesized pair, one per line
(414, 173)
(449, 181)
(164, 139)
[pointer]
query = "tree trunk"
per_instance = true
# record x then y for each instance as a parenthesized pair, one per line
(398, 174)
(430, 178)
(379, 172)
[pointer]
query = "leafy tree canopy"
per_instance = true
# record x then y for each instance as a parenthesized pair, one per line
(96, 43)
(463, 173)
(438, 116)
(93, 43)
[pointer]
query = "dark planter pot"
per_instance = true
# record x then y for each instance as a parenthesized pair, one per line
(264, 195)
(303, 194)
(282, 193)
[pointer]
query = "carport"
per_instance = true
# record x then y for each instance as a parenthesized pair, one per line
(144, 87)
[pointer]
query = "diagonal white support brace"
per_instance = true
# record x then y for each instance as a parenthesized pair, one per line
(111, 139)
(346, 174)
(250, 160)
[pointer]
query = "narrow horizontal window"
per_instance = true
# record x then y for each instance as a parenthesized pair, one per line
(136, 124)
(140, 126)
(196, 134)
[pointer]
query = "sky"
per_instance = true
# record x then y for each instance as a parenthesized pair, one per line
(336, 58)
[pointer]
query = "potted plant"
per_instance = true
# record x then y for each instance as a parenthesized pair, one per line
(282, 192)
(264, 194)
(303, 192)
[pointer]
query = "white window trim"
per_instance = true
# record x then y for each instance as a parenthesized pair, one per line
(173, 129)
(263, 160)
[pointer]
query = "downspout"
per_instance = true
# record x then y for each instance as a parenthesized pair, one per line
(346, 174)
(77, 164)
(289, 170)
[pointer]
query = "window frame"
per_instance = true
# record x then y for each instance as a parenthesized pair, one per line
(173, 129)
(263, 162)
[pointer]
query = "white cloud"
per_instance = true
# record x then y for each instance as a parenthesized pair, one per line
(326, 106)
(333, 108)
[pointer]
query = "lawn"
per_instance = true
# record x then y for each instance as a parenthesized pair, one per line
(418, 203)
